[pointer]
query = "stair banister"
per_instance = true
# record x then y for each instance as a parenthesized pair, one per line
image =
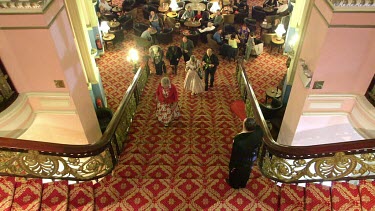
(294, 164)
(27, 158)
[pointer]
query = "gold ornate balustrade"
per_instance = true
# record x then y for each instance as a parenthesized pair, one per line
(24, 6)
(26, 158)
(297, 164)
(352, 5)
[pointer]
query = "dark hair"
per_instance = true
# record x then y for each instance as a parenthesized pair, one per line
(233, 36)
(250, 124)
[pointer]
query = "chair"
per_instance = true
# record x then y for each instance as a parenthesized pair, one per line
(229, 29)
(142, 42)
(165, 36)
(181, 5)
(212, 43)
(179, 15)
(228, 19)
(173, 24)
(128, 5)
(267, 38)
(228, 51)
(251, 24)
(146, 9)
(119, 35)
(139, 28)
(258, 13)
(126, 22)
(239, 18)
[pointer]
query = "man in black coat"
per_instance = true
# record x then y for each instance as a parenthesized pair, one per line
(174, 54)
(244, 152)
(210, 63)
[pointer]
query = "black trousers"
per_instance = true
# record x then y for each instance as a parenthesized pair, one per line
(239, 175)
(159, 68)
(186, 56)
(209, 73)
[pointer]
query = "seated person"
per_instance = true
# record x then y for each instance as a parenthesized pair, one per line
(104, 7)
(283, 8)
(154, 21)
(188, 14)
(217, 36)
(128, 5)
(210, 27)
(218, 18)
(198, 16)
(233, 42)
(147, 34)
(243, 33)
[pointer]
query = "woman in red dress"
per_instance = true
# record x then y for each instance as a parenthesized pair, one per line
(167, 108)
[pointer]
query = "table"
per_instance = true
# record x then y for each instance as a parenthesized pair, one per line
(269, 10)
(172, 14)
(192, 24)
(113, 25)
(266, 26)
(278, 43)
(108, 38)
(273, 92)
(196, 6)
(116, 9)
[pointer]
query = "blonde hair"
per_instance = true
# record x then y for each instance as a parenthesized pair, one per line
(165, 82)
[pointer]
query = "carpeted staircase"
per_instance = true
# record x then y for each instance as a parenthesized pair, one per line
(182, 167)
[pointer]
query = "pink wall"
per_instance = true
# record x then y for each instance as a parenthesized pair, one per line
(341, 56)
(311, 48)
(36, 57)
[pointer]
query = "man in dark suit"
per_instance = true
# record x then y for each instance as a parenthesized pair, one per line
(210, 63)
(187, 47)
(244, 152)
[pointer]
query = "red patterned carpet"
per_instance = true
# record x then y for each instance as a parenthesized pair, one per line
(264, 71)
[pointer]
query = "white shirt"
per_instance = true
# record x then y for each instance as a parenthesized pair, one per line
(208, 28)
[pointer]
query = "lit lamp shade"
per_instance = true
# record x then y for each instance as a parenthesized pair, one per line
(133, 55)
(173, 5)
(104, 27)
(215, 6)
(280, 30)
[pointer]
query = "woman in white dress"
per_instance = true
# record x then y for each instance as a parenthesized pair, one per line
(193, 82)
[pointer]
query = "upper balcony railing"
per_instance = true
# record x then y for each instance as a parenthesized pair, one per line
(297, 164)
(26, 158)
(352, 5)
(23, 6)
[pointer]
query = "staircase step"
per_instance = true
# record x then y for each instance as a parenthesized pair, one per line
(178, 148)
(318, 197)
(169, 172)
(367, 193)
(345, 196)
(265, 194)
(292, 197)
(7, 188)
(81, 196)
(55, 196)
(175, 159)
(175, 138)
(175, 194)
(27, 195)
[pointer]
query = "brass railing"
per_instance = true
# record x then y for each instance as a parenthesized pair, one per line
(26, 158)
(297, 164)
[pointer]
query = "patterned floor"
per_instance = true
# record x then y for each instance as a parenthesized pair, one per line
(264, 71)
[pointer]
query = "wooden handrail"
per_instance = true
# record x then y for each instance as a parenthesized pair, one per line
(311, 151)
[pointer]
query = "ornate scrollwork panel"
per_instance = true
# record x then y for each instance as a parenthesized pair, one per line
(337, 167)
